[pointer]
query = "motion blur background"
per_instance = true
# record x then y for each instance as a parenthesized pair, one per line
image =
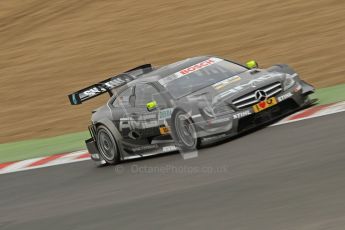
(49, 49)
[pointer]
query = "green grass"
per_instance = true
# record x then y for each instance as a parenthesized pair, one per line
(42, 147)
(330, 94)
(75, 141)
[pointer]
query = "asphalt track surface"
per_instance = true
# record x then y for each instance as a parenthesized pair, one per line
(290, 176)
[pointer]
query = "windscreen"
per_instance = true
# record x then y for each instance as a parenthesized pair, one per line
(199, 76)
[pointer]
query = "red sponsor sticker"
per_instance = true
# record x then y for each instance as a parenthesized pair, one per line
(189, 70)
(197, 66)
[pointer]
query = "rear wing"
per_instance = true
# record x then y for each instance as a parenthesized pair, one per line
(107, 85)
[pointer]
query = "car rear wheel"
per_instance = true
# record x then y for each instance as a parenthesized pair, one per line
(183, 131)
(107, 146)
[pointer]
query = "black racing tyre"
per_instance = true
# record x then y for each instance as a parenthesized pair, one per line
(107, 146)
(183, 131)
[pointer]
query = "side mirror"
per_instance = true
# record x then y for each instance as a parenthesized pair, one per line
(252, 64)
(151, 105)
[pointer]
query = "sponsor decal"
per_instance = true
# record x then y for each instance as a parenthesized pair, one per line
(169, 148)
(221, 84)
(91, 92)
(116, 82)
(143, 122)
(213, 138)
(216, 121)
(188, 70)
(144, 147)
(147, 116)
(164, 130)
(119, 81)
(284, 97)
(251, 83)
(262, 105)
(198, 66)
(165, 114)
(242, 114)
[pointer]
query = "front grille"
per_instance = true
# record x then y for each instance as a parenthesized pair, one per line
(250, 99)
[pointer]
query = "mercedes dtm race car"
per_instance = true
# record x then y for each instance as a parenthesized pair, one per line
(187, 104)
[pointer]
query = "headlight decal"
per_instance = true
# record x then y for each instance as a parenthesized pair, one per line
(289, 81)
(217, 110)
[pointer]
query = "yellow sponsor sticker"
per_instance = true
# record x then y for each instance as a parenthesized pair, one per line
(262, 105)
(226, 82)
(164, 130)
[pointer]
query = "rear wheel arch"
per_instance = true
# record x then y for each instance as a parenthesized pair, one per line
(110, 125)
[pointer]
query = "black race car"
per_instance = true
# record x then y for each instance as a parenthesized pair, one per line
(187, 104)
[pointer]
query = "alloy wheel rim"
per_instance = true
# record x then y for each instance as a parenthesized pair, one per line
(106, 145)
(185, 130)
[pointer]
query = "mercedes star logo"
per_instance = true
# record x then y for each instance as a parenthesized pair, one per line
(260, 95)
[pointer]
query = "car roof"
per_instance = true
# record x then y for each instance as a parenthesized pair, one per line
(167, 70)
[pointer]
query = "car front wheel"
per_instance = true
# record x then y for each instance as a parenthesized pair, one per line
(183, 131)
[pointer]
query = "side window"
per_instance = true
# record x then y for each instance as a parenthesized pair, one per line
(145, 93)
(122, 99)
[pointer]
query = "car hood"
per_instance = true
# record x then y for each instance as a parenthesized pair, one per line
(236, 86)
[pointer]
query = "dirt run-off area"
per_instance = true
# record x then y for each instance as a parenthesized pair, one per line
(49, 49)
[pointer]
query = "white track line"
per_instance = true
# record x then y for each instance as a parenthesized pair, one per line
(63, 159)
(19, 165)
(331, 109)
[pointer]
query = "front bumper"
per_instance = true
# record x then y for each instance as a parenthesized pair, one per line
(289, 101)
